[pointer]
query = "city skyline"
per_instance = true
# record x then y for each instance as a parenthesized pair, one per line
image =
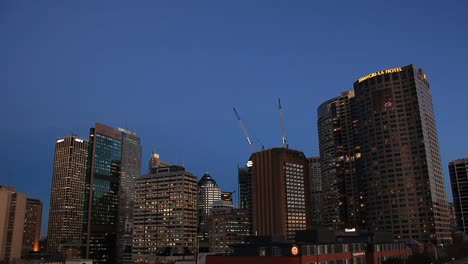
(177, 93)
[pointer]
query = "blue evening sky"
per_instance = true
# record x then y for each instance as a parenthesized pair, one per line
(173, 70)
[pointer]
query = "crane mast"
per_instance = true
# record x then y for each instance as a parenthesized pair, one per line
(244, 130)
(283, 127)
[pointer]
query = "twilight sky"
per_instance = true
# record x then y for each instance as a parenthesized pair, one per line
(173, 70)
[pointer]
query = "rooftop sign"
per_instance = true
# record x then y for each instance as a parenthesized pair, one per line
(377, 73)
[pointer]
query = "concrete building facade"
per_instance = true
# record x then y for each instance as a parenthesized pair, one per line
(12, 218)
(165, 215)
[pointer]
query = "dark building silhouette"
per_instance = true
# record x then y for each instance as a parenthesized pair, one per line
(458, 170)
(280, 192)
(67, 196)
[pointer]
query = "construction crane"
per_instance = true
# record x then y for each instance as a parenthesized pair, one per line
(244, 130)
(283, 127)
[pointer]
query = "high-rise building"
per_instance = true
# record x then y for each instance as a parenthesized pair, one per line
(400, 156)
(12, 218)
(165, 215)
(32, 225)
(315, 188)
(208, 193)
(130, 170)
(458, 170)
(280, 192)
(102, 194)
(67, 193)
(340, 190)
(391, 142)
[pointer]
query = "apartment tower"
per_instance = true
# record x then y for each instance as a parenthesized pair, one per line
(67, 193)
(341, 195)
(458, 170)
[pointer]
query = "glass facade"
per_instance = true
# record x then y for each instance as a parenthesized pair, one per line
(102, 188)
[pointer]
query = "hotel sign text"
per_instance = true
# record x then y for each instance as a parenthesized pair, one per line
(368, 76)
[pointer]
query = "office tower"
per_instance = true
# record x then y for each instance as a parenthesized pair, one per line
(458, 170)
(12, 217)
(341, 195)
(245, 190)
(66, 213)
(165, 215)
(400, 156)
(130, 170)
(32, 225)
(227, 227)
(208, 193)
(280, 192)
(315, 191)
(102, 194)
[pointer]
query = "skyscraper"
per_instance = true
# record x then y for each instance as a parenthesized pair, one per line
(208, 193)
(400, 156)
(391, 142)
(102, 194)
(32, 225)
(458, 170)
(67, 193)
(165, 216)
(130, 170)
(341, 194)
(315, 188)
(12, 217)
(280, 192)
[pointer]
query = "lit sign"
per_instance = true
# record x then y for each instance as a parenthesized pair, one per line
(357, 254)
(294, 250)
(78, 140)
(249, 163)
(347, 230)
(371, 75)
(60, 140)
